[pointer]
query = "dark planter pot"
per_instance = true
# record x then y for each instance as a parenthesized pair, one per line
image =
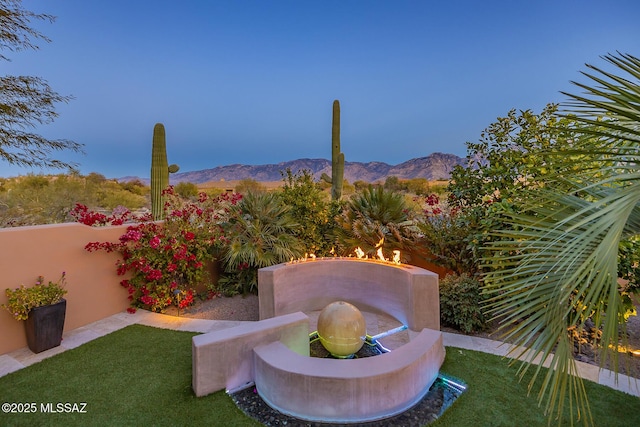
(44, 326)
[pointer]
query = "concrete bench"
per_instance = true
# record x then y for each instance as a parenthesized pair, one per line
(224, 359)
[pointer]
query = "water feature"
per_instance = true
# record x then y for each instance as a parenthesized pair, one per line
(441, 395)
(272, 356)
(343, 323)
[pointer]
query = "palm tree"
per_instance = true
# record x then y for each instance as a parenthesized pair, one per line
(262, 233)
(376, 218)
(558, 266)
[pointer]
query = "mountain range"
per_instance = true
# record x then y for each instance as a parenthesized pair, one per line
(436, 166)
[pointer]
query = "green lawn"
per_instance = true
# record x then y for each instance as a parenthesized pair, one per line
(142, 376)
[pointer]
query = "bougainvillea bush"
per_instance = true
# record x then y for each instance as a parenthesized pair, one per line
(119, 216)
(166, 260)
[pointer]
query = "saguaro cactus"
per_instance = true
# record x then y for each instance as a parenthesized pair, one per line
(160, 170)
(337, 158)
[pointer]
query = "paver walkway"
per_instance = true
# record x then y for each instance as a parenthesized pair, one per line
(22, 358)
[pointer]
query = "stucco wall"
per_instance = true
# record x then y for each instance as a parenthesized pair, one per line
(406, 292)
(93, 286)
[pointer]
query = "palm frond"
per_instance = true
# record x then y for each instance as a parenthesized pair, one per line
(557, 266)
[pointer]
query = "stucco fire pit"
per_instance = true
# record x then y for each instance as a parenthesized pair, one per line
(329, 390)
(408, 293)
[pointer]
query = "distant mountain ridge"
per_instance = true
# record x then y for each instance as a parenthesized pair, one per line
(432, 167)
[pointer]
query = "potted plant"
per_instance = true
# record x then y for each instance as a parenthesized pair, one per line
(43, 309)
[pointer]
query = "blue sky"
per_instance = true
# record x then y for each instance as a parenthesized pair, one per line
(253, 82)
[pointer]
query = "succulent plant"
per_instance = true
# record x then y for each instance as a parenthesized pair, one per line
(160, 170)
(337, 158)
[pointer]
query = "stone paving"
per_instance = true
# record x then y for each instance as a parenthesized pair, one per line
(22, 358)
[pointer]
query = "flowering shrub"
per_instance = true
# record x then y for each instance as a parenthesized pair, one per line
(166, 260)
(119, 216)
(448, 236)
(23, 299)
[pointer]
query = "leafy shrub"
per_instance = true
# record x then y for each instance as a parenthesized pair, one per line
(309, 207)
(449, 236)
(168, 260)
(460, 303)
(49, 199)
(186, 190)
(249, 185)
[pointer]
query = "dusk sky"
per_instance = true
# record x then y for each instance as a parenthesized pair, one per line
(253, 82)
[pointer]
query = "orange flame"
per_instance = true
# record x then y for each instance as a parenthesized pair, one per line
(359, 255)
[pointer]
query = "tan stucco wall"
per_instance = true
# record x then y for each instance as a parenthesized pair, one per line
(93, 286)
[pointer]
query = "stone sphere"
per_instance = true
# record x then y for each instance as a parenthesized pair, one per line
(341, 329)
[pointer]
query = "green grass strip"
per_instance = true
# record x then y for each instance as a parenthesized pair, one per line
(141, 375)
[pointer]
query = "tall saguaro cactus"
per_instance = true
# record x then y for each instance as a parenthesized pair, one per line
(337, 158)
(160, 170)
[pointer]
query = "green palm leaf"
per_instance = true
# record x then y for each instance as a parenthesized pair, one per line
(373, 216)
(557, 266)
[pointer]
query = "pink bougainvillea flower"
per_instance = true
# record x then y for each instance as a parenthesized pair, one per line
(154, 242)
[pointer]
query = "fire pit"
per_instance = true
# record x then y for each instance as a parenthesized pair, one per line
(271, 353)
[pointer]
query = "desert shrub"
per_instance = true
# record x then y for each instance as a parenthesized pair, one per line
(49, 199)
(136, 187)
(418, 186)
(186, 190)
(360, 185)
(392, 183)
(460, 303)
(249, 185)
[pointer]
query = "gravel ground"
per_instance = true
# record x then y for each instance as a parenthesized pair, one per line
(424, 412)
(238, 307)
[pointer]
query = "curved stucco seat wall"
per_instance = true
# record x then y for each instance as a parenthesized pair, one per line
(408, 293)
(352, 390)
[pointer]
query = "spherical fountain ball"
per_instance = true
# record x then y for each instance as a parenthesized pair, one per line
(341, 329)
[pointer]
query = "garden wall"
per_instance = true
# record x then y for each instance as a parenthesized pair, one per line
(422, 262)
(93, 286)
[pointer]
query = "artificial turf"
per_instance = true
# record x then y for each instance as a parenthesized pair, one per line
(141, 375)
